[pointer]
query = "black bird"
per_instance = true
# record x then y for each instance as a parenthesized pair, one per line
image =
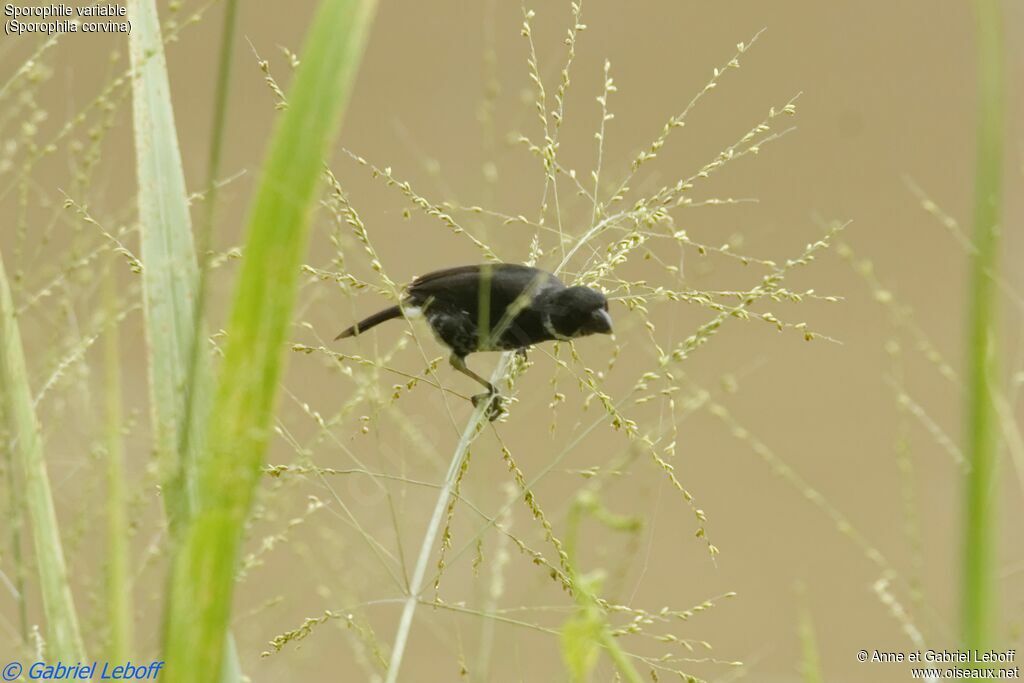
(496, 307)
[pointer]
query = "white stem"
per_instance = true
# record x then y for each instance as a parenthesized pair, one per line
(589, 235)
(416, 585)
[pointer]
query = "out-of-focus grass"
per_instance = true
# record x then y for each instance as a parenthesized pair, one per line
(810, 664)
(203, 570)
(23, 430)
(118, 596)
(588, 632)
(980, 512)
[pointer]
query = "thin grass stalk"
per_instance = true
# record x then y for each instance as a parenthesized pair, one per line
(469, 432)
(119, 594)
(979, 580)
(203, 570)
(220, 112)
(206, 230)
(64, 638)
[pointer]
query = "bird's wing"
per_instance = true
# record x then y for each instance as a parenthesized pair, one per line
(460, 286)
(442, 279)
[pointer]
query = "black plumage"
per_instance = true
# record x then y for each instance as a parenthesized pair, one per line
(496, 307)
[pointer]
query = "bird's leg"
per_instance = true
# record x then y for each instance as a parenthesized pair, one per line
(459, 363)
(494, 408)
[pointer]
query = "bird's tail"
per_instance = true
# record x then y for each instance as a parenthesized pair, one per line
(374, 320)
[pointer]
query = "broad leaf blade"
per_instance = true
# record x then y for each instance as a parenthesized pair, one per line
(204, 568)
(170, 272)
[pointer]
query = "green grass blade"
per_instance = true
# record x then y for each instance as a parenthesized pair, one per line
(169, 260)
(180, 380)
(204, 567)
(810, 660)
(979, 578)
(64, 637)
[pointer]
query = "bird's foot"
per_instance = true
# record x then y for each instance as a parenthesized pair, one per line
(494, 402)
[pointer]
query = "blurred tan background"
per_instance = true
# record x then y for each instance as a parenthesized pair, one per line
(887, 96)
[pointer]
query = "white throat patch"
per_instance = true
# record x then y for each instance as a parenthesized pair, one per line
(550, 329)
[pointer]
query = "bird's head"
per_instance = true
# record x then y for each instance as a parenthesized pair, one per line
(580, 311)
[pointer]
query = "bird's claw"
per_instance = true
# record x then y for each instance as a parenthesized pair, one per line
(494, 402)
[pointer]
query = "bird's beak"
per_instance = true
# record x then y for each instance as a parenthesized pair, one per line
(602, 322)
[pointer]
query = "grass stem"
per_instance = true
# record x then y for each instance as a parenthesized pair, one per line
(982, 441)
(469, 433)
(119, 602)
